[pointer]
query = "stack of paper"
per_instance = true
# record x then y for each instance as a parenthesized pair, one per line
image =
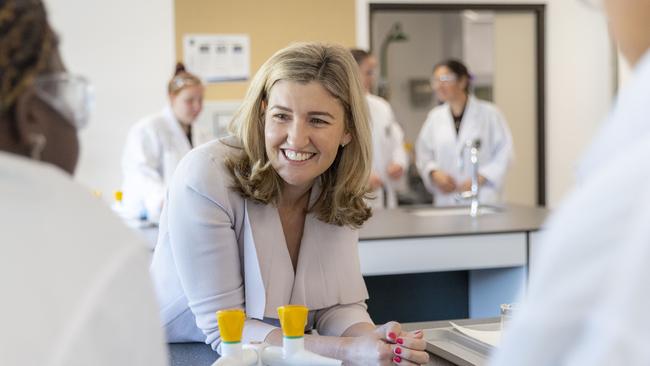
(491, 337)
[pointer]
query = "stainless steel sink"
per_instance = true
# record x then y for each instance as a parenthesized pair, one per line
(451, 211)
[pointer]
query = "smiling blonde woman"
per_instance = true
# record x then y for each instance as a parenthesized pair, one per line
(345, 181)
(268, 217)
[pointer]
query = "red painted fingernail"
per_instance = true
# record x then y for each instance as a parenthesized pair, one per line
(392, 335)
(397, 359)
(400, 341)
(398, 351)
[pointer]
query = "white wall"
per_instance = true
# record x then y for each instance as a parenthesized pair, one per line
(478, 46)
(425, 31)
(579, 74)
(126, 49)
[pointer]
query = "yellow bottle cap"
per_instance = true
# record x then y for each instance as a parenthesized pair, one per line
(293, 319)
(118, 196)
(231, 324)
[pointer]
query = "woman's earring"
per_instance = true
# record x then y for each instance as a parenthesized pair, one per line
(38, 142)
(342, 146)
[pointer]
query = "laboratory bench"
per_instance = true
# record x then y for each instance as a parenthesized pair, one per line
(422, 263)
(446, 264)
(200, 354)
(441, 263)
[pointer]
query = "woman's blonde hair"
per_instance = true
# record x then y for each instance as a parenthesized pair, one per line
(344, 183)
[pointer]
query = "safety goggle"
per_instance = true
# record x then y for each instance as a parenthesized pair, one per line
(593, 4)
(372, 72)
(70, 95)
(444, 79)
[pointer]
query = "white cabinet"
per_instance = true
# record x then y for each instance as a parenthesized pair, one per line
(497, 263)
(444, 253)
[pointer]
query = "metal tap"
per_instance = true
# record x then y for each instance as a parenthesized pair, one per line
(473, 193)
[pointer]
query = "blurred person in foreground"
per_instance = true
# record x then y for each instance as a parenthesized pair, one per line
(74, 280)
(588, 299)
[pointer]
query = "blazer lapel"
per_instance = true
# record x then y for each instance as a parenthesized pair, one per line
(253, 280)
(328, 271)
(265, 249)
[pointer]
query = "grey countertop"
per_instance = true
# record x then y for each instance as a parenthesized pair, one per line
(403, 223)
(200, 354)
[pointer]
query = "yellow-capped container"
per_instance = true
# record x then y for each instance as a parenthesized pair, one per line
(118, 196)
(231, 324)
(293, 319)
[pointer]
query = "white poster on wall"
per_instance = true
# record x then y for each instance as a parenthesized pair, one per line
(217, 58)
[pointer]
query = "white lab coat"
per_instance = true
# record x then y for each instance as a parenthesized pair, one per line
(588, 296)
(74, 279)
(153, 149)
(387, 148)
(439, 147)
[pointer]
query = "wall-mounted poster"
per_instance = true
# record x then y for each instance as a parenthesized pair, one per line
(217, 58)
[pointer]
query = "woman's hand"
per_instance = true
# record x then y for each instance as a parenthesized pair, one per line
(374, 182)
(444, 181)
(395, 171)
(467, 185)
(387, 345)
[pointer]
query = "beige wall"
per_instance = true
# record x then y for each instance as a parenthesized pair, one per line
(515, 94)
(271, 26)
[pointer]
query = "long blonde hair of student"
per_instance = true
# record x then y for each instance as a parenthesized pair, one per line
(344, 184)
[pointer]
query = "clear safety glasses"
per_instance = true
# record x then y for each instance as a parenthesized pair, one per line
(593, 4)
(444, 79)
(70, 95)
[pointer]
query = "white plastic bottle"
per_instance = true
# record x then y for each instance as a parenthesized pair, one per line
(293, 319)
(231, 326)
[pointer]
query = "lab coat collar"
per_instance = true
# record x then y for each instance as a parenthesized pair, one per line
(325, 275)
(174, 125)
(468, 115)
(468, 122)
(627, 122)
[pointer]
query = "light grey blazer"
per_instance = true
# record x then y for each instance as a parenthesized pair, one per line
(217, 250)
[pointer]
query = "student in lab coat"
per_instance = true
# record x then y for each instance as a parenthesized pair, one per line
(440, 158)
(268, 217)
(74, 280)
(587, 301)
(156, 144)
(389, 160)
